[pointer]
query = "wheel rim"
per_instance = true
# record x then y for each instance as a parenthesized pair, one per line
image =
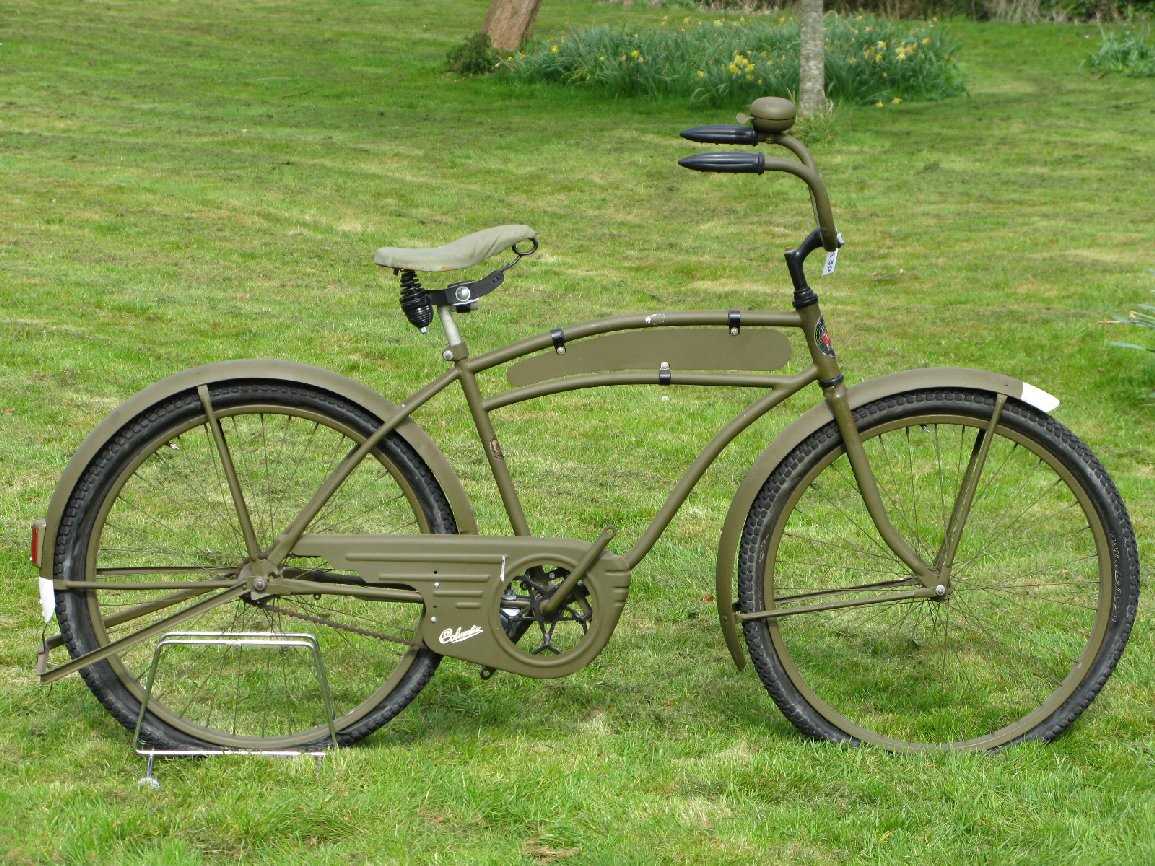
(1019, 628)
(246, 698)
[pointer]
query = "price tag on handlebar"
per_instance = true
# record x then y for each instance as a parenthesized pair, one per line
(831, 263)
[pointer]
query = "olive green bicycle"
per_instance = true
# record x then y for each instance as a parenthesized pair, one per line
(924, 560)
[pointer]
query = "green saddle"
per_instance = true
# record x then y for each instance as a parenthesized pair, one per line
(462, 253)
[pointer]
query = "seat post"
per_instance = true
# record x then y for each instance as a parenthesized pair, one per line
(456, 347)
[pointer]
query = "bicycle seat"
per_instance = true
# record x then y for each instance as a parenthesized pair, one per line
(462, 253)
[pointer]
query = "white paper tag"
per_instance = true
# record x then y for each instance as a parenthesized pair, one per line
(831, 263)
(47, 599)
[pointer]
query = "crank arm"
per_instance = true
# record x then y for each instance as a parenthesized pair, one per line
(835, 605)
(592, 554)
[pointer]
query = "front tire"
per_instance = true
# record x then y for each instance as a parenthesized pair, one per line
(1044, 584)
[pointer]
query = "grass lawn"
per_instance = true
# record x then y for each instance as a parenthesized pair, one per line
(182, 183)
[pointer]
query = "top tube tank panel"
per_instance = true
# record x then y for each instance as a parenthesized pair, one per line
(759, 349)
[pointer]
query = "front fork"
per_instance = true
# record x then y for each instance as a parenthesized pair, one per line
(936, 575)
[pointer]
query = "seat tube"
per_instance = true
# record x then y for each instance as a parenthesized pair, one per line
(834, 390)
(458, 352)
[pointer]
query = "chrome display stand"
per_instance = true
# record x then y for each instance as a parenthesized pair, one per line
(247, 639)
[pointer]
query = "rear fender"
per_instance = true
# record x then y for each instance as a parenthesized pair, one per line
(816, 418)
(286, 371)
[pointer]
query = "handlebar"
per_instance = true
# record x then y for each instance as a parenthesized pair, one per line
(770, 120)
(728, 163)
(722, 133)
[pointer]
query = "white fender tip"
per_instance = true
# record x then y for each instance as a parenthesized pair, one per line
(47, 599)
(1039, 398)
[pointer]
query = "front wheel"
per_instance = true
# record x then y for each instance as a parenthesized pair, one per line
(1042, 592)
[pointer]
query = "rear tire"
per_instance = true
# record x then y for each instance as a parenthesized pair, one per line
(171, 522)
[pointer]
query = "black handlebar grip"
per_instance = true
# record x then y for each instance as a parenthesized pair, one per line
(729, 163)
(722, 134)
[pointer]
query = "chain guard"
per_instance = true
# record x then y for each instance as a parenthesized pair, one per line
(462, 579)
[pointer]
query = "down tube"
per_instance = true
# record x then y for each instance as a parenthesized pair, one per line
(707, 456)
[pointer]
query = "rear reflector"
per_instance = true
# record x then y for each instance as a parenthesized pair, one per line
(37, 542)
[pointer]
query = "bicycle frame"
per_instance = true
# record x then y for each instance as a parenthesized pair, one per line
(261, 573)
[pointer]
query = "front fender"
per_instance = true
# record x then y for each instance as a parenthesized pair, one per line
(792, 436)
(252, 369)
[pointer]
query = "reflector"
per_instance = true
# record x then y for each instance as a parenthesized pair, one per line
(37, 541)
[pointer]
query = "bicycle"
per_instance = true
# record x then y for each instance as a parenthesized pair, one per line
(924, 560)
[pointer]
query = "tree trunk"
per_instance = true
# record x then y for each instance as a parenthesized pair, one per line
(508, 22)
(812, 68)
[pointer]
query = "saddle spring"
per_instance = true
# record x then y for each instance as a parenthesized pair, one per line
(414, 301)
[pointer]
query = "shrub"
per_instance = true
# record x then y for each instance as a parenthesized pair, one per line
(1125, 52)
(981, 10)
(868, 60)
(474, 56)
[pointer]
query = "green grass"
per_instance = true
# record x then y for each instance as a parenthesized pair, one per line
(730, 59)
(182, 183)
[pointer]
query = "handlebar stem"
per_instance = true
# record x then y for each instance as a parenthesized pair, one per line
(804, 296)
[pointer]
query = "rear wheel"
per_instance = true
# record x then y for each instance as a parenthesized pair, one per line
(1043, 588)
(154, 506)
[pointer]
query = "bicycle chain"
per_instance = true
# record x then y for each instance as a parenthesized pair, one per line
(324, 620)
